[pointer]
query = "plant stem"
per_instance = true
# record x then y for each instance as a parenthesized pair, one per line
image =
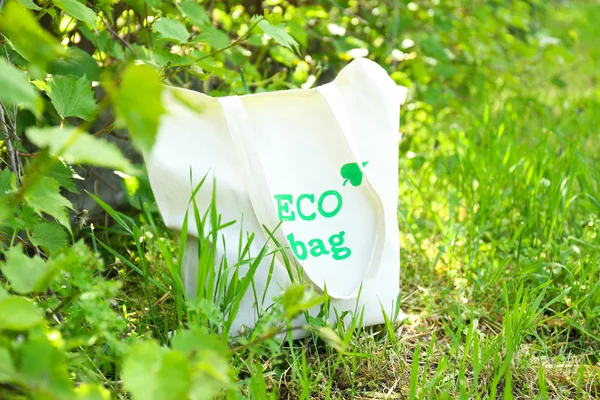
(12, 154)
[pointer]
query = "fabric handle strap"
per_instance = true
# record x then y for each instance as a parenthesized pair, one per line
(252, 170)
(336, 103)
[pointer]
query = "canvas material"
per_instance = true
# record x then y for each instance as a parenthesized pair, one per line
(271, 152)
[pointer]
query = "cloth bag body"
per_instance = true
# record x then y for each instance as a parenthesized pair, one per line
(317, 167)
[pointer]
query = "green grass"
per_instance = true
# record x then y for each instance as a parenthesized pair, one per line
(500, 242)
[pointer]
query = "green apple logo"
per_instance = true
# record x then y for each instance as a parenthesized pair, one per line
(351, 172)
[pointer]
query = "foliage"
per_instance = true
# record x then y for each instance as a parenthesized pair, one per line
(499, 193)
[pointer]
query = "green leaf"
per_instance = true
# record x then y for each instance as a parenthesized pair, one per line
(75, 62)
(72, 97)
(77, 10)
(330, 337)
(195, 12)
(27, 274)
(298, 32)
(195, 343)
(139, 369)
(257, 387)
(27, 36)
(45, 197)
(172, 29)
(18, 313)
(297, 299)
(138, 104)
(211, 311)
(196, 368)
(3, 292)
(174, 377)
(6, 177)
(49, 236)
(293, 295)
(16, 88)
(63, 174)
(75, 146)
(278, 33)
(29, 4)
(208, 355)
(214, 36)
(7, 366)
(44, 368)
(88, 391)
(164, 57)
(5, 211)
(100, 38)
(283, 56)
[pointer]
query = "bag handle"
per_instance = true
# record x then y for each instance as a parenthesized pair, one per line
(259, 190)
(253, 171)
(335, 102)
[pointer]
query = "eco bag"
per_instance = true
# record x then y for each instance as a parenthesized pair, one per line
(313, 170)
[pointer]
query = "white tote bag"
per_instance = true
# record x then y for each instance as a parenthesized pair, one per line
(318, 167)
